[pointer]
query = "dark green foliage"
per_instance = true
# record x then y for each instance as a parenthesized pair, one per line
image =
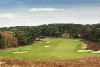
(27, 34)
(1, 41)
(91, 32)
(24, 37)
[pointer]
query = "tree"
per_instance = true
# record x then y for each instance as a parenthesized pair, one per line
(9, 39)
(24, 37)
(1, 41)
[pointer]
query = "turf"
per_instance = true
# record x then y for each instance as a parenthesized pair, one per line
(59, 48)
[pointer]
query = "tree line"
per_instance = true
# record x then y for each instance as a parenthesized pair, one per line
(24, 35)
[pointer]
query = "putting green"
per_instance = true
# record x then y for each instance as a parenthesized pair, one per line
(56, 48)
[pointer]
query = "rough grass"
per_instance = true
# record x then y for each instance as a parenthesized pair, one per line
(83, 62)
(60, 49)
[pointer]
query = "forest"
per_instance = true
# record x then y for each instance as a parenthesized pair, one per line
(24, 35)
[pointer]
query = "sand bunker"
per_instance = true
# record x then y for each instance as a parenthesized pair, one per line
(95, 51)
(91, 51)
(20, 52)
(84, 50)
(46, 46)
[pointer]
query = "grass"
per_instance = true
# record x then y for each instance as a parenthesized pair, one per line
(59, 49)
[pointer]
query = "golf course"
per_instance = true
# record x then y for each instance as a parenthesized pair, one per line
(49, 49)
(52, 45)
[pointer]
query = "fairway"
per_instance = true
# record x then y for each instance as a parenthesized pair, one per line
(48, 49)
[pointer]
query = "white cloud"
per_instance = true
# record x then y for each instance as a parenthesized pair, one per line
(45, 9)
(7, 16)
(81, 15)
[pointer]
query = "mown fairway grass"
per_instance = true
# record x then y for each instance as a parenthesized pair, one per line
(59, 49)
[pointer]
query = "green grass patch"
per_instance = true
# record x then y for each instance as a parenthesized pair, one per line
(58, 49)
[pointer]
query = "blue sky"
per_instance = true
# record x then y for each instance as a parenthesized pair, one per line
(47, 3)
(37, 12)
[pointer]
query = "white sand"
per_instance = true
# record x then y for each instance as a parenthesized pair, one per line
(84, 50)
(46, 46)
(95, 51)
(91, 51)
(20, 52)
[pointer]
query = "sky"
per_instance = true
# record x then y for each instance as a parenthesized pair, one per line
(38, 12)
